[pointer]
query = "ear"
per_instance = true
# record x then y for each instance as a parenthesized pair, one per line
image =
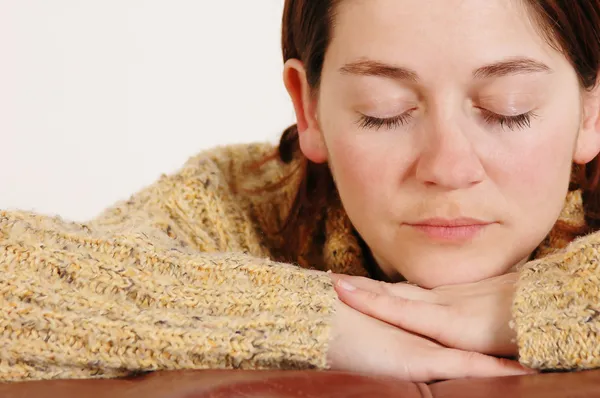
(588, 141)
(312, 143)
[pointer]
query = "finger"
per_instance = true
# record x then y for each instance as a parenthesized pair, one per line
(400, 289)
(363, 283)
(416, 316)
(412, 292)
(454, 364)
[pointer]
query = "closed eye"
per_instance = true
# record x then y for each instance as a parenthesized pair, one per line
(517, 122)
(370, 122)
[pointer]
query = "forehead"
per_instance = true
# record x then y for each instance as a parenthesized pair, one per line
(457, 32)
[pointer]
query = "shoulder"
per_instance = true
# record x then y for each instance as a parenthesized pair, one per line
(231, 157)
(247, 166)
(254, 177)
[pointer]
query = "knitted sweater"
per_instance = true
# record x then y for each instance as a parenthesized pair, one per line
(182, 275)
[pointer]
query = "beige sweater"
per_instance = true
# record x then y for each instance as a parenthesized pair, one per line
(182, 276)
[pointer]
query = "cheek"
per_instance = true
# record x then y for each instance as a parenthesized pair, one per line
(536, 177)
(539, 171)
(362, 171)
(353, 166)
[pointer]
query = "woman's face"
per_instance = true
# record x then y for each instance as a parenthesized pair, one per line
(450, 128)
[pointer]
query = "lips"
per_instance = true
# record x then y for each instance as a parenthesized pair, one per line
(455, 222)
(458, 229)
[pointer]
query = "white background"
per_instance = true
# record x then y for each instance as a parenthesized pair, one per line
(98, 98)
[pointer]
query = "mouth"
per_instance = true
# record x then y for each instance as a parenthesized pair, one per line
(453, 230)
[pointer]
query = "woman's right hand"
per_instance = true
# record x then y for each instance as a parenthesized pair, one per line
(366, 345)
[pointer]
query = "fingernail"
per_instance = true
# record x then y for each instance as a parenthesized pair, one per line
(346, 286)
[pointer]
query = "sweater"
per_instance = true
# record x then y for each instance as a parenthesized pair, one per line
(185, 275)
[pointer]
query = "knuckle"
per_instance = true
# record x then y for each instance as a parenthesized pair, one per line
(398, 303)
(385, 288)
(373, 296)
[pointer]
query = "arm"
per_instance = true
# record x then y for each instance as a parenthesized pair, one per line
(158, 282)
(556, 308)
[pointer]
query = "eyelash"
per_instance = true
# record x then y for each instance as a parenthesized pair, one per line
(512, 122)
(368, 122)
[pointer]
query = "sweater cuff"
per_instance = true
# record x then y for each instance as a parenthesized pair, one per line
(556, 314)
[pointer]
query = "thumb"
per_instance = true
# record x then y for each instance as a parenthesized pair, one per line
(454, 364)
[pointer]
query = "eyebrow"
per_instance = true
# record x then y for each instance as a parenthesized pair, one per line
(365, 67)
(513, 66)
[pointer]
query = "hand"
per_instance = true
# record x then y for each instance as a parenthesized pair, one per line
(472, 317)
(366, 345)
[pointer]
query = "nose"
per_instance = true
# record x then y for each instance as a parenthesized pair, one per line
(448, 160)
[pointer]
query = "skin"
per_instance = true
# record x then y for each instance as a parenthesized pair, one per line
(473, 317)
(447, 154)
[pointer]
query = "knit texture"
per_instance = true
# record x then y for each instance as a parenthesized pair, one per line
(184, 275)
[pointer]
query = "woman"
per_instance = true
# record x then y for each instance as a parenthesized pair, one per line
(450, 129)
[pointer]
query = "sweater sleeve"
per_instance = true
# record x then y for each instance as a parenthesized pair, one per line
(158, 282)
(557, 306)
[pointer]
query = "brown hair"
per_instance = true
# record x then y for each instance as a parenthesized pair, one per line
(572, 27)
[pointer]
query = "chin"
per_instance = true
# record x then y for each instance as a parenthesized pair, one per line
(431, 277)
(428, 282)
(431, 266)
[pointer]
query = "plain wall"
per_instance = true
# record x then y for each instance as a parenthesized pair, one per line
(98, 98)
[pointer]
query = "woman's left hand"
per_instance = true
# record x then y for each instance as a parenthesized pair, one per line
(471, 317)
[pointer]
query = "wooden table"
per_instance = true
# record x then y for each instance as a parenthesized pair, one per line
(305, 384)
